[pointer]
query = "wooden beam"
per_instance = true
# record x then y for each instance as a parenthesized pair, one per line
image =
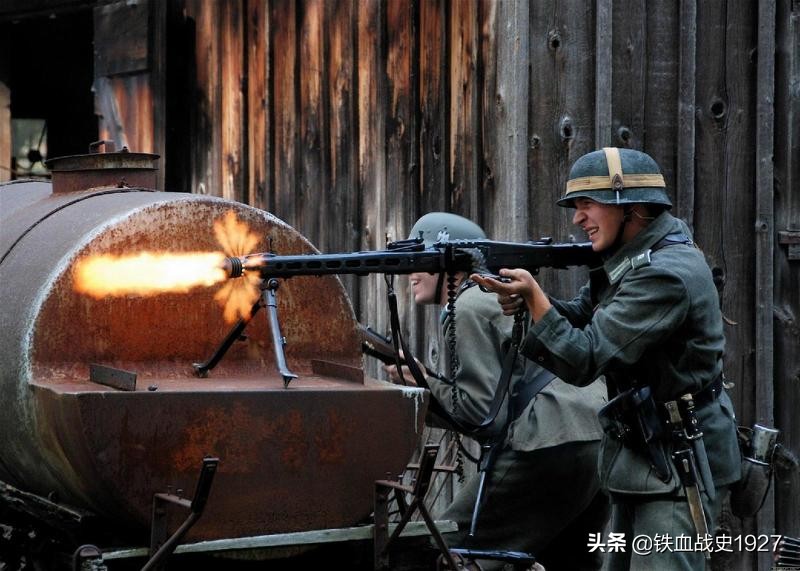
(765, 238)
(511, 109)
(372, 105)
(604, 74)
(232, 112)
(5, 132)
(687, 52)
(314, 537)
(259, 99)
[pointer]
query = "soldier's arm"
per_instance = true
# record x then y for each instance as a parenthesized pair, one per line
(648, 307)
(578, 310)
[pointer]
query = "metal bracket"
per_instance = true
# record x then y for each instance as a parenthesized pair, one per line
(88, 558)
(160, 546)
(112, 377)
(790, 239)
(383, 489)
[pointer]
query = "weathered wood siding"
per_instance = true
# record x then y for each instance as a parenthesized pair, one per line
(349, 119)
(130, 64)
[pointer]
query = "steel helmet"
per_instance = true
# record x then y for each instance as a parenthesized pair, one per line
(616, 176)
(437, 226)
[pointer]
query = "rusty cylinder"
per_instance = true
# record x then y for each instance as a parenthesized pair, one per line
(291, 459)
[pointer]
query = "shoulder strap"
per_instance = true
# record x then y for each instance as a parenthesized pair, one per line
(526, 392)
(435, 406)
(671, 240)
(505, 375)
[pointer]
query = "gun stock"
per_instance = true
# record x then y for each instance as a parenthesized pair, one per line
(376, 345)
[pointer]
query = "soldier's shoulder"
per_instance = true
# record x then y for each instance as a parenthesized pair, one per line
(476, 300)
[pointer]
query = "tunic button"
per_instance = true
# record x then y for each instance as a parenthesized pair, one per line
(540, 358)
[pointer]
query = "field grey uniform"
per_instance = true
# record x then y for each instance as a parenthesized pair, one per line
(657, 322)
(543, 497)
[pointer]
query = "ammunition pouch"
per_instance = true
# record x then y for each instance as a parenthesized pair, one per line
(639, 434)
(748, 494)
(633, 418)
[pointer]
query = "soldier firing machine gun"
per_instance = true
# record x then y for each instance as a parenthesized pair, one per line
(401, 257)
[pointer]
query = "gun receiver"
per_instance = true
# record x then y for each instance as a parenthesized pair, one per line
(411, 256)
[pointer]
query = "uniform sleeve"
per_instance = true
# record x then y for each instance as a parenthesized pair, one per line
(578, 311)
(479, 346)
(649, 305)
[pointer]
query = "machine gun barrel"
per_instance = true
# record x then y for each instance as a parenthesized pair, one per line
(410, 256)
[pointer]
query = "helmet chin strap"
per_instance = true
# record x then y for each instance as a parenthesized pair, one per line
(617, 243)
(628, 212)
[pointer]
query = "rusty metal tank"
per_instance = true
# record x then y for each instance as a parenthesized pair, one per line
(297, 458)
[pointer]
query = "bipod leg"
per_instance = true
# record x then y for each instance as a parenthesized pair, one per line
(278, 340)
(202, 369)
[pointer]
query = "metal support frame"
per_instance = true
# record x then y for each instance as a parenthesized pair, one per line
(161, 546)
(383, 490)
(88, 558)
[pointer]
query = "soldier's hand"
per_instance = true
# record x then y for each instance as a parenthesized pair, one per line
(511, 304)
(521, 282)
(394, 375)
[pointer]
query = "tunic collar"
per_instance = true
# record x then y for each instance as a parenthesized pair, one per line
(636, 253)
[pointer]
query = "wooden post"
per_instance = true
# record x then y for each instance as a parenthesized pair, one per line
(511, 101)
(372, 100)
(765, 238)
(259, 100)
(604, 74)
(684, 178)
(5, 132)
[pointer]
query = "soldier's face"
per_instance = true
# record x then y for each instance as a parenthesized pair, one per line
(600, 221)
(423, 286)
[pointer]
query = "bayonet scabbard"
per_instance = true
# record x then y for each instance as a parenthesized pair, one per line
(687, 470)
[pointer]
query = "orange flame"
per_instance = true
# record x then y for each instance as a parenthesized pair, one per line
(237, 296)
(235, 237)
(151, 273)
(147, 273)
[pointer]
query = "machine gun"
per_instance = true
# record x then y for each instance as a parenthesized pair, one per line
(401, 257)
(411, 256)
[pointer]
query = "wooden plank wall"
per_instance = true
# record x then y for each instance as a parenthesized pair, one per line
(5, 132)
(786, 297)
(349, 119)
(130, 69)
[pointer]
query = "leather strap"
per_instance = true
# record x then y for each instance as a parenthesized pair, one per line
(526, 392)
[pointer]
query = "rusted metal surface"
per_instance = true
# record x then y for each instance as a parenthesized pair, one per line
(116, 169)
(291, 459)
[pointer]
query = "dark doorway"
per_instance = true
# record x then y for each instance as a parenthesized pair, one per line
(47, 64)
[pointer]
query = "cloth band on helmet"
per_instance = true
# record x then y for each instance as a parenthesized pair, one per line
(614, 168)
(604, 182)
